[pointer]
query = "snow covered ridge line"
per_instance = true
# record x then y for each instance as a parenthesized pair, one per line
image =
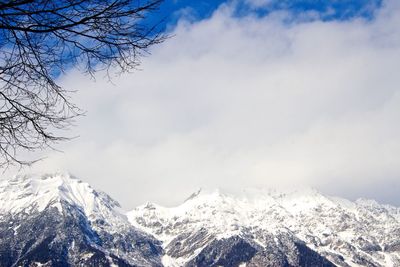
(36, 192)
(360, 233)
(263, 228)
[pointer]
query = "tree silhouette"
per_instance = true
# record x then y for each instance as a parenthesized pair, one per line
(40, 40)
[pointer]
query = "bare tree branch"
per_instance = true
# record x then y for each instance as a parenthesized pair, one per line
(40, 40)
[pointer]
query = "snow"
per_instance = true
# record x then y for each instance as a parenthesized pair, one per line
(22, 192)
(304, 213)
(388, 260)
(327, 224)
(39, 264)
(172, 262)
(86, 255)
(34, 193)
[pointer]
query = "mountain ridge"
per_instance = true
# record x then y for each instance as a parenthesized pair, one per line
(263, 228)
(58, 220)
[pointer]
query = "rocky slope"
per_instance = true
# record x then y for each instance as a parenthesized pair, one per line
(58, 220)
(271, 228)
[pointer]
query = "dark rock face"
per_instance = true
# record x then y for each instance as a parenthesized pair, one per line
(185, 243)
(224, 252)
(51, 238)
(288, 251)
(281, 250)
(309, 258)
(69, 239)
(57, 220)
(234, 251)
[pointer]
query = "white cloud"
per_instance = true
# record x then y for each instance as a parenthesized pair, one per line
(258, 3)
(239, 102)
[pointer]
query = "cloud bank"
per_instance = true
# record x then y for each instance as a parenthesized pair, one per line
(247, 101)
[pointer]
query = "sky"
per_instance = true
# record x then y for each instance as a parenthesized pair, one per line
(246, 93)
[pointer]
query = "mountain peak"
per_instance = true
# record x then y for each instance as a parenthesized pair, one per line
(193, 195)
(37, 192)
(59, 220)
(274, 227)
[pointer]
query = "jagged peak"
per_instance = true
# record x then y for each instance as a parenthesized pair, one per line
(306, 194)
(193, 195)
(212, 204)
(36, 192)
(206, 193)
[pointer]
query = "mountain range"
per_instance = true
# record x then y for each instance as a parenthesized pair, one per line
(59, 220)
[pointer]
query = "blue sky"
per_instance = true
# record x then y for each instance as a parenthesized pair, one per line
(239, 97)
(173, 10)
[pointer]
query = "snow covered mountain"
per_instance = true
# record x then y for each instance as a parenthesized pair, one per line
(302, 228)
(58, 220)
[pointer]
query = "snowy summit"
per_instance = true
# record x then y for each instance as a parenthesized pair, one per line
(57, 212)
